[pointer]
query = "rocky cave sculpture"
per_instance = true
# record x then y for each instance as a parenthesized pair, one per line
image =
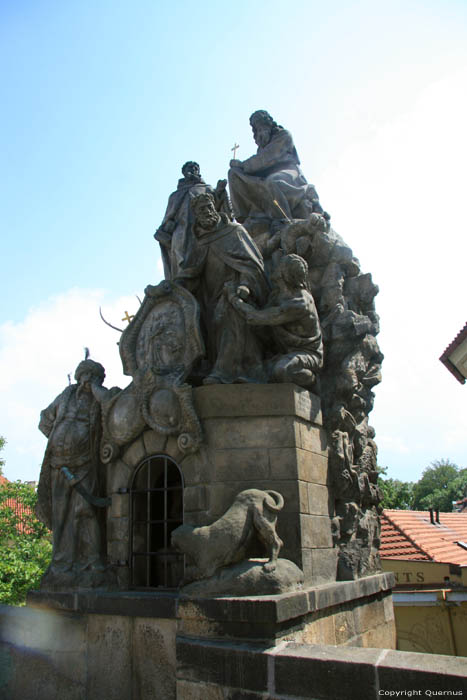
(71, 486)
(266, 293)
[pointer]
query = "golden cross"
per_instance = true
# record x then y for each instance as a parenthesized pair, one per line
(127, 317)
(234, 149)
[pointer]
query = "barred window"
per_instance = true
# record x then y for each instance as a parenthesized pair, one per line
(156, 498)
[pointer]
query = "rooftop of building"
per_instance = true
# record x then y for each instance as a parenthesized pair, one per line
(410, 535)
(22, 512)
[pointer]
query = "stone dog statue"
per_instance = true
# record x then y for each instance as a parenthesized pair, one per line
(224, 542)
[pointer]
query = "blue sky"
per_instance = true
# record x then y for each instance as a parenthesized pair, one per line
(104, 101)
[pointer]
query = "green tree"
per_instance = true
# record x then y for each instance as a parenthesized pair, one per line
(25, 543)
(396, 493)
(441, 483)
(459, 485)
(2, 461)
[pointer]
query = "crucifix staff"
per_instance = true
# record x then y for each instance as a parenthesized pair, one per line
(234, 149)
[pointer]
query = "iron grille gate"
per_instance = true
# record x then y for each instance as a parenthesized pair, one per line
(156, 509)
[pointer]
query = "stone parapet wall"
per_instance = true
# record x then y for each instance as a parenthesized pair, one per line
(291, 671)
(50, 655)
(129, 645)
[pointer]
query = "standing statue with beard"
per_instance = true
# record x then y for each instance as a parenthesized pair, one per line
(174, 233)
(224, 257)
(69, 486)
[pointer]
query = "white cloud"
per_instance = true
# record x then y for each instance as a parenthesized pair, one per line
(397, 197)
(37, 354)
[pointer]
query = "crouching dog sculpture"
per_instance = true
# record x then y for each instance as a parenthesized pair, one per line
(217, 554)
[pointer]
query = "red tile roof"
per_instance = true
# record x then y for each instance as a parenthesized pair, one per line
(22, 512)
(409, 534)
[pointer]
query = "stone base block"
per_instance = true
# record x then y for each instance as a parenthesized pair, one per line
(341, 613)
(127, 645)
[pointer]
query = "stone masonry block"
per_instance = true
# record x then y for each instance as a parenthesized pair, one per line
(154, 443)
(118, 476)
(39, 675)
(290, 463)
(388, 608)
(195, 498)
(59, 632)
(315, 531)
(240, 464)
(344, 625)
(288, 529)
(172, 449)
(118, 529)
(220, 498)
(284, 462)
(223, 664)
(72, 666)
(120, 505)
(324, 564)
(381, 637)
(186, 690)
(319, 629)
(326, 672)
(153, 655)
(320, 500)
(312, 467)
(257, 400)
(304, 506)
(118, 551)
(312, 437)
(123, 577)
(307, 567)
(272, 431)
(222, 495)
(197, 467)
(109, 657)
(319, 565)
(135, 453)
(31, 628)
(400, 670)
(369, 614)
(197, 518)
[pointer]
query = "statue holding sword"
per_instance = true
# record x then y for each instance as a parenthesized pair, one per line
(70, 499)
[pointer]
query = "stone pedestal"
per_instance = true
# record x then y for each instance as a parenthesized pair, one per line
(140, 646)
(255, 436)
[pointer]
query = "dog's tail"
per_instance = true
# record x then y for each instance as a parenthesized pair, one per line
(274, 501)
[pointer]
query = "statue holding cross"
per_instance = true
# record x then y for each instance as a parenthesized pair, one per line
(270, 185)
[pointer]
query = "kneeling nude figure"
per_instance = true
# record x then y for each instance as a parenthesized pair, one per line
(226, 541)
